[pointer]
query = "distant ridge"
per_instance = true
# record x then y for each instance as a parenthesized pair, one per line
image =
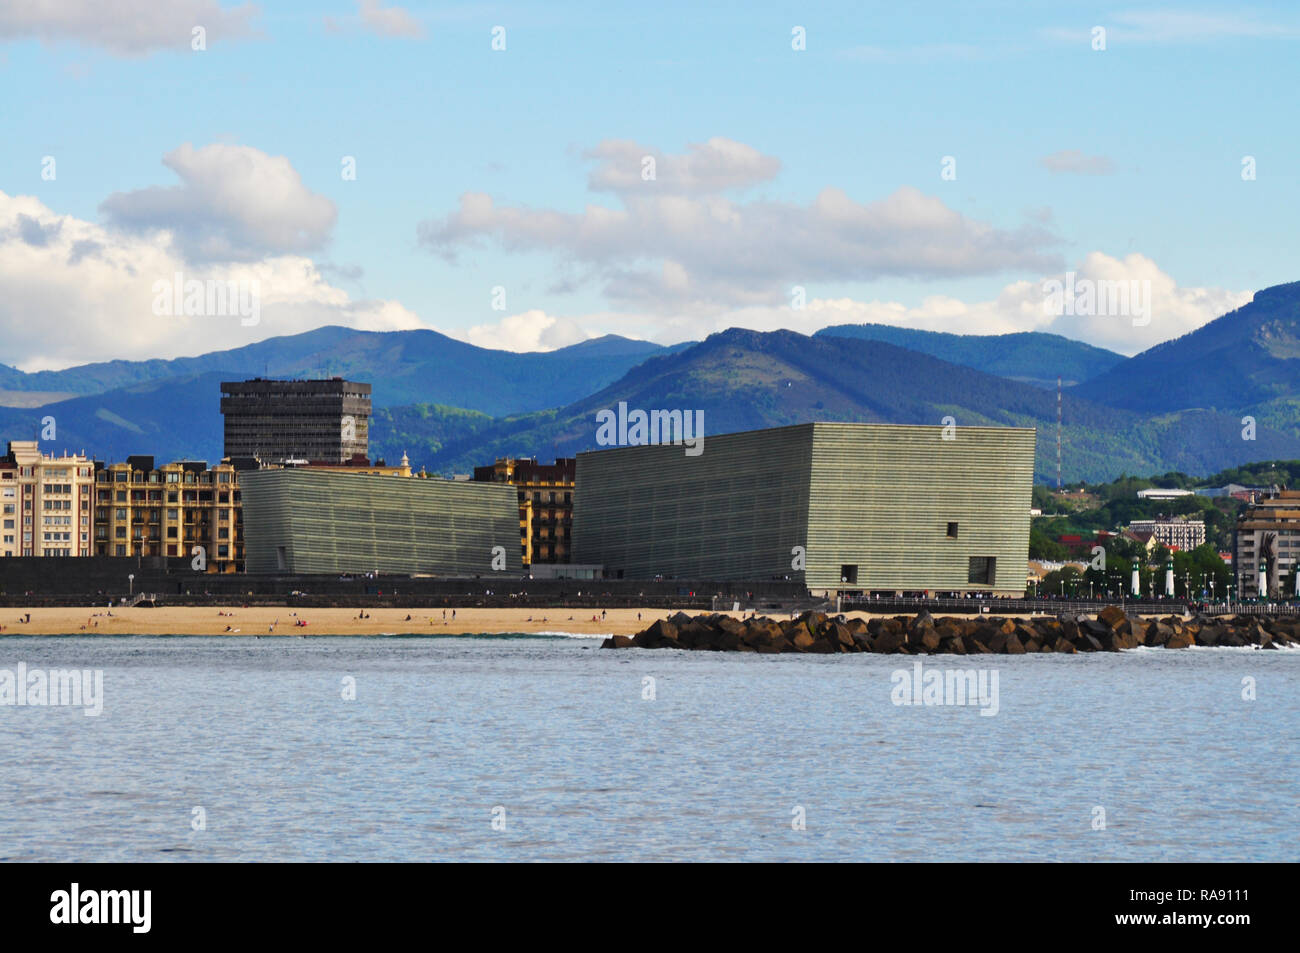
(405, 366)
(1031, 356)
(744, 380)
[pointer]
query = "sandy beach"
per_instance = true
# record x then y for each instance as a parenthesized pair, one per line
(280, 620)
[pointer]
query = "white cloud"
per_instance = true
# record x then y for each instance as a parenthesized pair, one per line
(73, 291)
(1135, 27)
(235, 203)
(1019, 306)
(385, 21)
(708, 168)
(130, 28)
(528, 331)
(676, 244)
(1174, 26)
(1175, 310)
(1074, 161)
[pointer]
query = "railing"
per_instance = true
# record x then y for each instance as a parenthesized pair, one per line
(1073, 606)
(1251, 608)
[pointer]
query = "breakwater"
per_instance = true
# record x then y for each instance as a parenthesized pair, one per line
(814, 632)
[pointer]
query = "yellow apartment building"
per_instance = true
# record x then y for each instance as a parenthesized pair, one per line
(545, 493)
(143, 510)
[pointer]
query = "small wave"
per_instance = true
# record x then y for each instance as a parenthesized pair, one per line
(575, 635)
(1161, 650)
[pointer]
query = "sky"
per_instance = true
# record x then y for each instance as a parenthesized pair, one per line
(526, 176)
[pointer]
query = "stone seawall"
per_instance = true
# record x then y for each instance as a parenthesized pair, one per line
(815, 632)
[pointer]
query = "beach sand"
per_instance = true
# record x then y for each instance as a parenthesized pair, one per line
(279, 620)
(259, 620)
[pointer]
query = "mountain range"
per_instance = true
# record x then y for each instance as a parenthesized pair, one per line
(450, 405)
(1031, 356)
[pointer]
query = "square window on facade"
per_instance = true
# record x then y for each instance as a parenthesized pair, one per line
(982, 570)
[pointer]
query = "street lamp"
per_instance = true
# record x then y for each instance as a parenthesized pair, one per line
(130, 579)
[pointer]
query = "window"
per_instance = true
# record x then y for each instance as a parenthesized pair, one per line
(952, 530)
(981, 570)
(849, 574)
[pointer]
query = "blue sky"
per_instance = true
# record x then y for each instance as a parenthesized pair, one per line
(817, 168)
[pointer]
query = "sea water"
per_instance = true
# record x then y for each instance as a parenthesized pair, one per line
(550, 748)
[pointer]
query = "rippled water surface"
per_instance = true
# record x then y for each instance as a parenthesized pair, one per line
(729, 752)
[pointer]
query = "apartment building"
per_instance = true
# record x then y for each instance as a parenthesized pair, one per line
(1174, 533)
(1266, 551)
(545, 493)
(315, 421)
(143, 510)
(44, 502)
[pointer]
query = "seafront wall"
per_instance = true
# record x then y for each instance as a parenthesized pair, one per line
(96, 580)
